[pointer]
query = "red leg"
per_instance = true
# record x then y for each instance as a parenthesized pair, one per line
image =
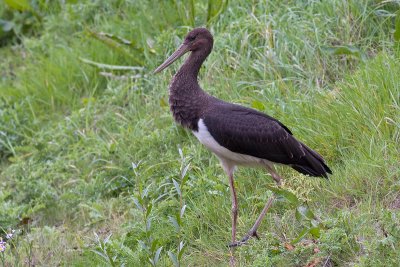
(234, 207)
(253, 230)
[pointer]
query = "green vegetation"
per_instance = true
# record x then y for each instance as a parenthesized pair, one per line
(94, 171)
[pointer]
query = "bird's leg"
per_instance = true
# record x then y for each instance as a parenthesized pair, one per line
(253, 230)
(234, 206)
(232, 261)
(273, 173)
(229, 168)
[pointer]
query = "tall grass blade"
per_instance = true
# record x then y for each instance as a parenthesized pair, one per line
(396, 34)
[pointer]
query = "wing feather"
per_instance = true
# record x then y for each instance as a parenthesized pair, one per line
(247, 131)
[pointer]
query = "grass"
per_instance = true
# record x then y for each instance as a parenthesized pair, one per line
(95, 172)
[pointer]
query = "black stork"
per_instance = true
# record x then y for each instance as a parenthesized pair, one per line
(237, 135)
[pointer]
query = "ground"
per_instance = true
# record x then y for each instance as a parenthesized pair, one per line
(94, 171)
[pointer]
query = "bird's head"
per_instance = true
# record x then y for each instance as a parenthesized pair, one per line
(198, 40)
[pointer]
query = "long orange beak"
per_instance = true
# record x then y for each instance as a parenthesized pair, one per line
(177, 54)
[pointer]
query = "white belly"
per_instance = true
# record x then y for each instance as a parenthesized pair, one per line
(223, 153)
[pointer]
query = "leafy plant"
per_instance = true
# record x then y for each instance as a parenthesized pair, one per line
(20, 18)
(103, 250)
(145, 205)
(303, 213)
(177, 220)
(75, 114)
(345, 50)
(176, 258)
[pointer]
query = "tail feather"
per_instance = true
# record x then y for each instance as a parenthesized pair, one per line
(313, 164)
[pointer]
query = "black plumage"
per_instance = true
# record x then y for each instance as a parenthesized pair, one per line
(250, 132)
(236, 134)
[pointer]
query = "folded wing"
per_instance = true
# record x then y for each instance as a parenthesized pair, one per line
(247, 131)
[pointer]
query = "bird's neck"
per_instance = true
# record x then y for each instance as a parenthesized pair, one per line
(186, 97)
(192, 65)
(185, 81)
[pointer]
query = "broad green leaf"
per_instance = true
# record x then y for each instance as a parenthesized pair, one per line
(184, 180)
(298, 215)
(173, 258)
(315, 232)
(258, 105)
(303, 212)
(157, 255)
(107, 238)
(143, 245)
(145, 192)
(300, 236)
(100, 254)
(184, 171)
(181, 245)
(183, 210)
(177, 187)
(20, 5)
(148, 209)
(289, 196)
(174, 223)
(181, 154)
(348, 50)
(148, 224)
(178, 218)
(316, 223)
(182, 248)
(154, 244)
(138, 205)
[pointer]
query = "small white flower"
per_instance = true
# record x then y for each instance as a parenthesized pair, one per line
(10, 235)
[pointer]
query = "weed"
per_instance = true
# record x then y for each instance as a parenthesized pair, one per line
(78, 105)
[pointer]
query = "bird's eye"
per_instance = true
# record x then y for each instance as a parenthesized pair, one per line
(191, 37)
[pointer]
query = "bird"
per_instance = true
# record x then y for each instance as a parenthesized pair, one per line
(237, 135)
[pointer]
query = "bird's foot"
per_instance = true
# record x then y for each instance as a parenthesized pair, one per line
(244, 240)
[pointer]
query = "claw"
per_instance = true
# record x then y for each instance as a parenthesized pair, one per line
(255, 235)
(244, 240)
(237, 244)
